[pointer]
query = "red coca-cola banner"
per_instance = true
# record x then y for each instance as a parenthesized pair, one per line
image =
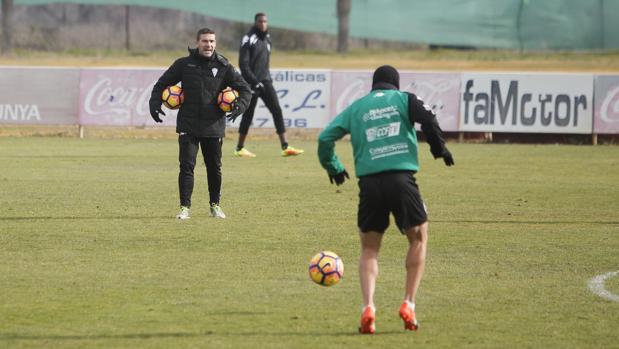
(606, 109)
(119, 97)
(440, 91)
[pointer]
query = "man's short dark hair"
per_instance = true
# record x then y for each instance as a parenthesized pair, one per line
(204, 31)
(258, 15)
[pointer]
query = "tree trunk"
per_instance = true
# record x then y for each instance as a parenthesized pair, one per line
(7, 28)
(127, 28)
(343, 14)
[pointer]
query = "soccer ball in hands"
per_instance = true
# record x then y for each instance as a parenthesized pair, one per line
(227, 99)
(326, 268)
(173, 96)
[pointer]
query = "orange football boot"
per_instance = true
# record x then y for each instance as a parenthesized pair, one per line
(408, 316)
(367, 320)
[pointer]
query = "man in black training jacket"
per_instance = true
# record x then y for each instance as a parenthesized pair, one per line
(200, 122)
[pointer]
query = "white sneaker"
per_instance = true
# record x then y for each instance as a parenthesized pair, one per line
(184, 213)
(217, 212)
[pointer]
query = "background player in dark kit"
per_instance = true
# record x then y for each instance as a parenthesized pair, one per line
(254, 56)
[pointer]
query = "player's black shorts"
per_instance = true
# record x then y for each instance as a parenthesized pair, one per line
(389, 192)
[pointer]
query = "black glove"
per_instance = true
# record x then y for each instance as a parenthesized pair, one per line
(339, 178)
(448, 158)
(236, 111)
(155, 110)
(258, 88)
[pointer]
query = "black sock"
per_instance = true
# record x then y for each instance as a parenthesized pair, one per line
(239, 147)
(284, 145)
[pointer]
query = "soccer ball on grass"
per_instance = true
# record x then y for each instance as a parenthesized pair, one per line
(326, 268)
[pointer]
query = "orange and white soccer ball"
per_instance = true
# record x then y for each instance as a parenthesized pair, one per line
(226, 99)
(326, 268)
(173, 96)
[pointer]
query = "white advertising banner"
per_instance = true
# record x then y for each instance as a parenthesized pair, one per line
(606, 104)
(440, 91)
(475, 102)
(304, 96)
(526, 103)
(39, 96)
(119, 97)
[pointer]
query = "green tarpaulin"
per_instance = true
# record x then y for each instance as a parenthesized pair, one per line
(519, 24)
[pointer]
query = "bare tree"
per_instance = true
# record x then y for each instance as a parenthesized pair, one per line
(127, 28)
(7, 30)
(343, 14)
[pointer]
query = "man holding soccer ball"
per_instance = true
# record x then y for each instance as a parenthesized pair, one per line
(200, 122)
(254, 56)
(381, 125)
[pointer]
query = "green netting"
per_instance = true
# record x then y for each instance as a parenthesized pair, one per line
(520, 24)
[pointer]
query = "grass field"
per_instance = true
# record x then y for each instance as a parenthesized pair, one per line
(454, 60)
(93, 258)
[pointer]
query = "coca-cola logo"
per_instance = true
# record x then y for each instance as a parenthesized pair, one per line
(433, 94)
(609, 111)
(116, 102)
(355, 90)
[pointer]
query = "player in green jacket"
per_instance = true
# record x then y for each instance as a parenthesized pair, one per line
(384, 141)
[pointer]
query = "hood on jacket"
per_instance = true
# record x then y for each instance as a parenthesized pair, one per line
(384, 77)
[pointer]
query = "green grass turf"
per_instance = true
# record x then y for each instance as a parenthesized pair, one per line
(92, 256)
(454, 60)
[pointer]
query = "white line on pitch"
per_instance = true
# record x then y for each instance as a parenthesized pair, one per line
(596, 285)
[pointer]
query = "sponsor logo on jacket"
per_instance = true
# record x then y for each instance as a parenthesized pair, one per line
(383, 131)
(380, 113)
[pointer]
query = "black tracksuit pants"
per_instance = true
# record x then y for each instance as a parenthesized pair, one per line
(269, 97)
(188, 151)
